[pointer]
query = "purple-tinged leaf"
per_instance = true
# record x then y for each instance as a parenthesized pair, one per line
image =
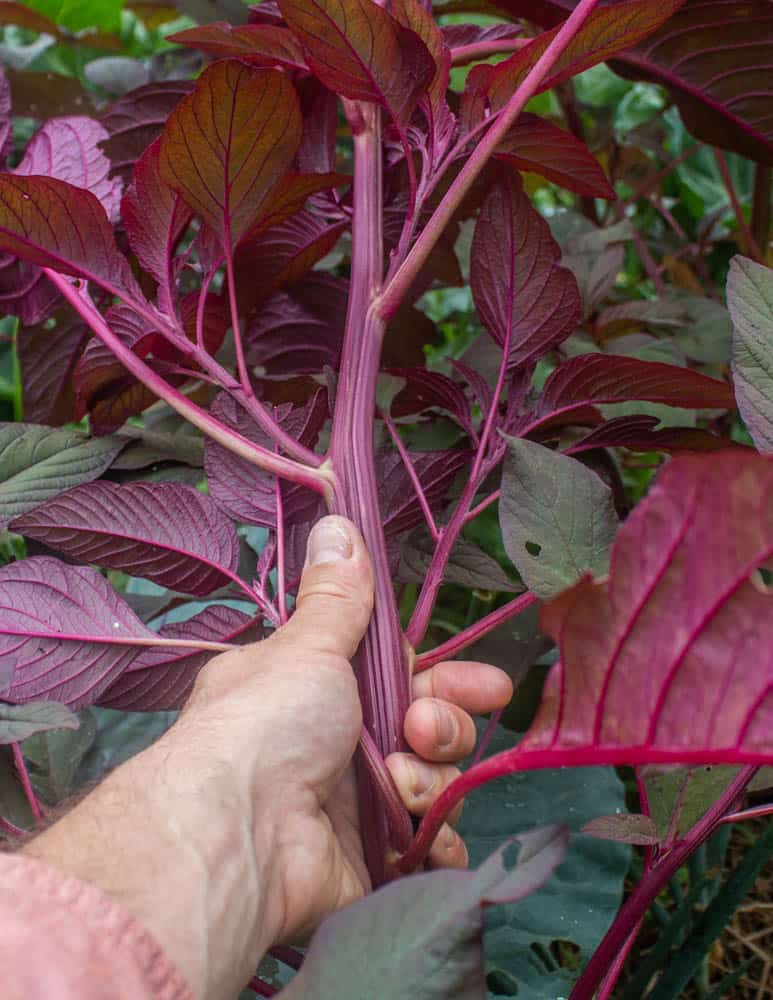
(6, 121)
(137, 119)
(216, 321)
(363, 53)
(300, 330)
(414, 15)
(247, 493)
(526, 301)
(19, 722)
(47, 358)
(436, 471)
(154, 216)
(161, 679)
(641, 433)
(258, 44)
(750, 301)
(290, 195)
(53, 224)
(536, 144)
(605, 32)
(557, 517)
(319, 108)
(594, 255)
(228, 144)
(166, 532)
(37, 463)
(469, 565)
(282, 255)
(573, 391)
(673, 652)
(25, 291)
(426, 390)
(68, 149)
(460, 35)
(423, 937)
(42, 599)
(624, 828)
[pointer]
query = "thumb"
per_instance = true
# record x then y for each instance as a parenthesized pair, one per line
(335, 598)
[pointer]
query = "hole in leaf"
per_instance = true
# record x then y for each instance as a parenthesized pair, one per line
(533, 548)
(762, 580)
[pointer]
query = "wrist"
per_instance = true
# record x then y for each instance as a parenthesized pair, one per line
(171, 837)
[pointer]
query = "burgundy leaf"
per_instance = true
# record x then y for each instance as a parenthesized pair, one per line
(166, 532)
(258, 44)
(526, 301)
(227, 145)
(160, 679)
(290, 195)
(42, 599)
(47, 358)
(674, 650)
(137, 118)
(460, 35)
(154, 217)
(242, 490)
(605, 32)
(25, 291)
(425, 390)
(68, 149)
(536, 144)
(721, 81)
(53, 224)
(319, 107)
(436, 471)
(300, 330)
(363, 53)
(639, 433)
(414, 15)
(572, 392)
(216, 321)
(282, 255)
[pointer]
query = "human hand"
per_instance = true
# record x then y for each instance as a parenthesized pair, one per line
(285, 716)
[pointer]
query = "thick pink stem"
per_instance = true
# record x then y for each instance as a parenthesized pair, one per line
(510, 761)
(463, 54)
(451, 647)
(320, 480)
(395, 292)
(607, 986)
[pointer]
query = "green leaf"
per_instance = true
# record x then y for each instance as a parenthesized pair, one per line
(421, 937)
(750, 301)
(557, 517)
(469, 565)
(77, 15)
(18, 722)
(583, 896)
(37, 463)
(55, 757)
(13, 802)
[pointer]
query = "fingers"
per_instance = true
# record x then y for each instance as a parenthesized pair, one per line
(335, 598)
(448, 850)
(438, 730)
(475, 687)
(420, 783)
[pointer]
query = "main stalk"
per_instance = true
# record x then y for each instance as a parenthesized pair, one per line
(382, 670)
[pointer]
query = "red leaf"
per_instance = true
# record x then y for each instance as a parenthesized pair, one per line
(605, 32)
(572, 391)
(154, 216)
(166, 532)
(282, 255)
(47, 358)
(242, 490)
(53, 224)
(137, 119)
(360, 51)
(536, 144)
(639, 433)
(427, 389)
(226, 145)
(216, 321)
(42, 599)
(6, 122)
(673, 652)
(299, 331)
(436, 471)
(160, 679)
(290, 195)
(258, 44)
(721, 81)
(526, 301)
(20, 15)
(412, 14)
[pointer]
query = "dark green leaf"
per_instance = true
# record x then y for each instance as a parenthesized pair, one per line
(750, 301)
(18, 722)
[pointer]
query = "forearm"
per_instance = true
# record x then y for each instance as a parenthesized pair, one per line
(170, 836)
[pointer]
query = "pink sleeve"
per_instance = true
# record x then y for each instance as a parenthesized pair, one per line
(62, 938)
